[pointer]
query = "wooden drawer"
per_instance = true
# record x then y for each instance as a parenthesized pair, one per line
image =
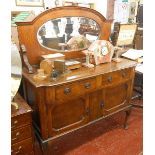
(87, 85)
(117, 76)
(22, 148)
(69, 91)
(20, 120)
(21, 134)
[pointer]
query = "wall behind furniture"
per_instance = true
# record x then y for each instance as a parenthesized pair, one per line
(100, 5)
(123, 10)
(36, 10)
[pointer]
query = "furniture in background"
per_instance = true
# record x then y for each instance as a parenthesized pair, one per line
(114, 33)
(138, 84)
(77, 98)
(139, 16)
(138, 38)
(22, 138)
(138, 41)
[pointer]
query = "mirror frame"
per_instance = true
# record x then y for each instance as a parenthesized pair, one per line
(42, 37)
(27, 31)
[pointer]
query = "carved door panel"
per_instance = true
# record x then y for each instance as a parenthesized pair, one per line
(69, 115)
(115, 97)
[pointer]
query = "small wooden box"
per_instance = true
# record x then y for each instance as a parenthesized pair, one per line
(53, 57)
(59, 65)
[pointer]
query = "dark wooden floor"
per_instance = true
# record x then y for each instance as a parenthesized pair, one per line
(106, 137)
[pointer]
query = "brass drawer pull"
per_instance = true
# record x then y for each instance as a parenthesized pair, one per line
(15, 122)
(87, 85)
(19, 148)
(17, 134)
(67, 91)
(110, 79)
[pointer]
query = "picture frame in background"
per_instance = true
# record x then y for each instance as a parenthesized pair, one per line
(126, 34)
(30, 3)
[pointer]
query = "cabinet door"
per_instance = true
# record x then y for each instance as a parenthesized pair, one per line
(68, 115)
(116, 97)
(96, 100)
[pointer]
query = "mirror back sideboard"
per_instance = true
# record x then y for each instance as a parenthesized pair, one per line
(27, 31)
(80, 97)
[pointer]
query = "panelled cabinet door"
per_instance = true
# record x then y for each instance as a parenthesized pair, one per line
(96, 100)
(115, 97)
(68, 115)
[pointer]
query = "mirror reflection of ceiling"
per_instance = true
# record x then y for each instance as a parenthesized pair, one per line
(68, 33)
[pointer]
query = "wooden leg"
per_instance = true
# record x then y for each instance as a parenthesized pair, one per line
(126, 119)
(44, 148)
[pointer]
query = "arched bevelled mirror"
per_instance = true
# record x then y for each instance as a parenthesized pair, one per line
(68, 33)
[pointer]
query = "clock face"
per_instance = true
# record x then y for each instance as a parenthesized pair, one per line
(104, 50)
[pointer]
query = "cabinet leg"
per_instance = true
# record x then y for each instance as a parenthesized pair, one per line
(44, 147)
(126, 119)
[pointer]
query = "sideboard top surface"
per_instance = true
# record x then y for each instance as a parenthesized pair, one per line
(23, 106)
(81, 73)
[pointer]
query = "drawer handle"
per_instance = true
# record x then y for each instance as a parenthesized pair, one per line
(87, 85)
(67, 91)
(101, 104)
(15, 122)
(87, 111)
(17, 134)
(110, 79)
(124, 74)
(19, 148)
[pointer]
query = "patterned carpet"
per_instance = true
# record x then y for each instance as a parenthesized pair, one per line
(106, 137)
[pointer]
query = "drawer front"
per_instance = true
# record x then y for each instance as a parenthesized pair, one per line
(67, 91)
(21, 134)
(117, 76)
(70, 91)
(20, 120)
(87, 85)
(22, 148)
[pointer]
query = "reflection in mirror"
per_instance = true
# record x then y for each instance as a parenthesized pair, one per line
(16, 70)
(68, 33)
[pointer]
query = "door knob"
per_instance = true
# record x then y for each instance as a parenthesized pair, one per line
(109, 78)
(67, 91)
(101, 104)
